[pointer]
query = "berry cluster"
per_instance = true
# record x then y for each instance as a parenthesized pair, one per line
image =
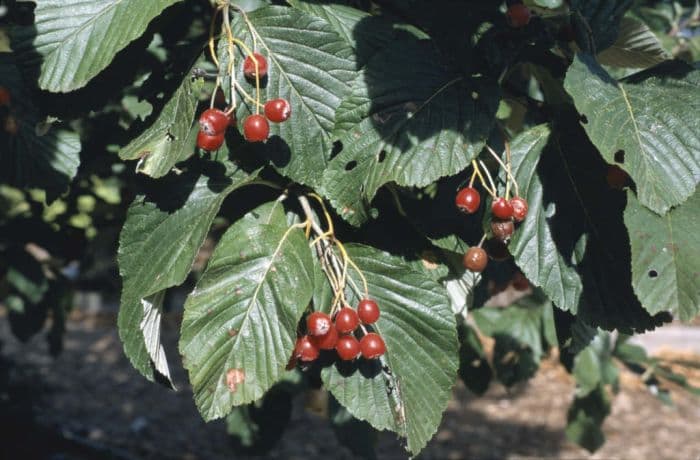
(256, 127)
(324, 333)
(505, 212)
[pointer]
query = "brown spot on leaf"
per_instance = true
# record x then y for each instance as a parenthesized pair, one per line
(232, 332)
(233, 378)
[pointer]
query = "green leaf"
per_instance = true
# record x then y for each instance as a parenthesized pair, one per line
(74, 40)
(665, 265)
(408, 120)
(150, 328)
(39, 154)
(474, 368)
(585, 418)
(419, 329)
(641, 123)
(636, 47)
(157, 246)
(310, 66)
(171, 137)
(533, 245)
(596, 22)
(239, 325)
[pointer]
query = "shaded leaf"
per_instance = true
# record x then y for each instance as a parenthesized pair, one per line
(596, 22)
(157, 246)
(641, 124)
(408, 120)
(665, 265)
(74, 40)
(636, 47)
(240, 322)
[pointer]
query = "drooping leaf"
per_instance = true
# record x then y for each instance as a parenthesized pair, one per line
(474, 368)
(310, 66)
(159, 241)
(74, 40)
(585, 418)
(533, 245)
(596, 22)
(665, 264)
(641, 123)
(636, 47)
(419, 329)
(46, 159)
(170, 138)
(150, 328)
(240, 322)
(408, 120)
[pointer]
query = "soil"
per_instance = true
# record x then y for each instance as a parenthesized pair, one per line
(89, 403)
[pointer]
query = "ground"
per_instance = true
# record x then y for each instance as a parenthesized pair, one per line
(90, 403)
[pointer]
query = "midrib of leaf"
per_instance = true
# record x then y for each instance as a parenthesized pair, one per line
(254, 297)
(645, 152)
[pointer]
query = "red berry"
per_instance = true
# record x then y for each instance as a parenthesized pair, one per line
(501, 208)
(326, 341)
(519, 205)
(616, 177)
(5, 97)
(468, 200)
(502, 229)
(278, 110)
(368, 311)
(475, 259)
(318, 323)
(518, 15)
(213, 122)
(372, 346)
(256, 128)
(346, 320)
(347, 347)
(305, 349)
(520, 283)
(207, 142)
(249, 66)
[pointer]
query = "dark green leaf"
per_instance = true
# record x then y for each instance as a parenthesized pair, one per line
(159, 241)
(641, 123)
(474, 368)
(665, 263)
(408, 120)
(419, 329)
(240, 322)
(171, 137)
(585, 418)
(596, 22)
(74, 40)
(358, 436)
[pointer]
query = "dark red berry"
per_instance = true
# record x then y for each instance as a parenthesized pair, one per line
(475, 259)
(249, 66)
(502, 229)
(305, 349)
(347, 347)
(256, 128)
(213, 122)
(520, 283)
(372, 346)
(616, 177)
(278, 110)
(326, 341)
(468, 200)
(501, 208)
(368, 311)
(518, 15)
(318, 323)
(519, 205)
(346, 320)
(207, 142)
(5, 97)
